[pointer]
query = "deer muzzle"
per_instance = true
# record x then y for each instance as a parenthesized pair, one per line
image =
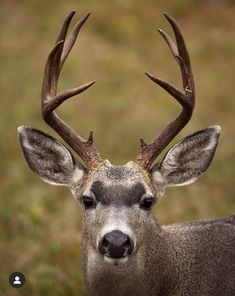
(116, 245)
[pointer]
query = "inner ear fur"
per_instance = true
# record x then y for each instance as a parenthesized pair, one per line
(188, 159)
(49, 158)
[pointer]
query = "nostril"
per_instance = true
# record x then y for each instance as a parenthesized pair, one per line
(103, 246)
(105, 242)
(127, 242)
(129, 245)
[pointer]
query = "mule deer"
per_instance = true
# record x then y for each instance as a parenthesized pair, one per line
(125, 250)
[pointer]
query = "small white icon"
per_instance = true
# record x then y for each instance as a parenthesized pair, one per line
(17, 280)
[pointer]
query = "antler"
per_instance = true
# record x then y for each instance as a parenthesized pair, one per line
(186, 98)
(51, 100)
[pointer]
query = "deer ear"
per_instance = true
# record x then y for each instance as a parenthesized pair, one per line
(188, 159)
(49, 158)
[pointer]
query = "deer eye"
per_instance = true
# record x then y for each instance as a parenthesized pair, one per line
(88, 202)
(146, 204)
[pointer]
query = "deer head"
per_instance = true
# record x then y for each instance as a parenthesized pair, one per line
(116, 200)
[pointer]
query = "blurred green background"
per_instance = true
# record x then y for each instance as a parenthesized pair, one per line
(40, 225)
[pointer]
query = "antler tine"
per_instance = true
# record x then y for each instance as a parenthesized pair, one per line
(186, 98)
(51, 100)
(72, 38)
(184, 60)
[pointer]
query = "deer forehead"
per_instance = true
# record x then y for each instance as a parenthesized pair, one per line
(110, 183)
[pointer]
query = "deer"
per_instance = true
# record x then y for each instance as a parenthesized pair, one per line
(125, 250)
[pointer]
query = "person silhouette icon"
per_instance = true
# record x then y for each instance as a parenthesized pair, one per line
(17, 280)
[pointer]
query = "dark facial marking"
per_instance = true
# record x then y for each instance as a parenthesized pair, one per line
(117, 194)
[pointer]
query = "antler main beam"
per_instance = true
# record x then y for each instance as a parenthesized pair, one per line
(186, 98)
(51, 100)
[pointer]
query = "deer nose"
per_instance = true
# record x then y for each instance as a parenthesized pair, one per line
(116, 244)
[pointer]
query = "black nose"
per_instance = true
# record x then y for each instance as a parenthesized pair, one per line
(116, 244)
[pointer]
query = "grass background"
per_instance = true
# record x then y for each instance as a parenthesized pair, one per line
(40, 225)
